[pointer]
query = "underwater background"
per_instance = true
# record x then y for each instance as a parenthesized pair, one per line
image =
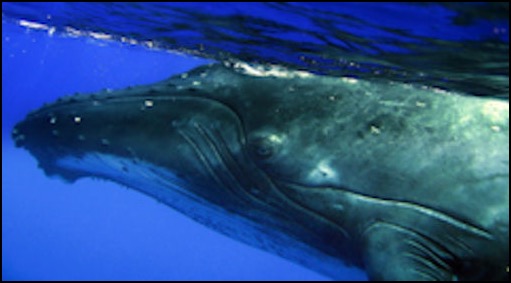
(97, 230)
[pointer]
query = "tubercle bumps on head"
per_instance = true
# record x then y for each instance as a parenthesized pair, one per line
(57, 118)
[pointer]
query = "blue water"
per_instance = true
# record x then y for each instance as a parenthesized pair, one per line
(455, 46)
(97, 230)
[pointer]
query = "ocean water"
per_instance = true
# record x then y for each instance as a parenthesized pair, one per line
(97, 230)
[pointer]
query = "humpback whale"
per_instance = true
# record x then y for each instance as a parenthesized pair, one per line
(405, 182)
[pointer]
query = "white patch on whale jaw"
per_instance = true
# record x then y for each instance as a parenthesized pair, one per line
(167, 188)
(323, 173)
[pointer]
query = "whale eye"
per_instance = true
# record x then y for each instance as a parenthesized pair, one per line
(264, 147)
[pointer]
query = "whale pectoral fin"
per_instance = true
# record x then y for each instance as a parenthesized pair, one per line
(396, 253)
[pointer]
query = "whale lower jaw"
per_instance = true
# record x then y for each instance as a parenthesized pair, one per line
(165, 187)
